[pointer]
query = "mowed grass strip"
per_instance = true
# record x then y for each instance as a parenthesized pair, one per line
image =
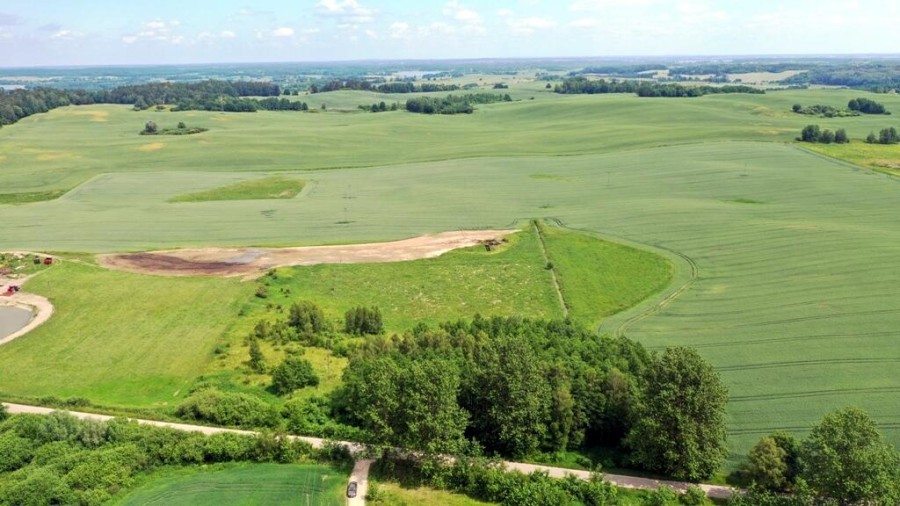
(273, 187)
(29, 197)
(394, 494)
(120, 339)
(508, 281)
(599, 278)
(252, 484)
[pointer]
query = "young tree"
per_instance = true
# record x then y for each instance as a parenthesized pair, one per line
(257, 359)
(767, 465)
(888, 136)
(840, 136)
(847, 459)
(871, 139)
(797, 108)
(150, 128)
(826, 137)
(293, 373)
(181, 125)
(680, 428)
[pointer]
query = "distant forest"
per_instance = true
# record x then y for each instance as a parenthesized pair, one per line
(391, 87)
(211, 95)
(582, 85)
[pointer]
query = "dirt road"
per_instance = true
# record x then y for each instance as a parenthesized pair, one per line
(251, 262)
(716, 491)
(360, 475)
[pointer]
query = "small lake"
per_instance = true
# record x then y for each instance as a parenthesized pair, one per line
(12, 319)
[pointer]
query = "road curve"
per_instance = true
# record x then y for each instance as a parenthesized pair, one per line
(634, 482)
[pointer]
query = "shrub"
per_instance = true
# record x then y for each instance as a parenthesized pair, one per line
(307, 318)
(694, 496)
(228, 409)
(293, 373)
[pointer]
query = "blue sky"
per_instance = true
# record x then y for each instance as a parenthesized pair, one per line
(101, 32)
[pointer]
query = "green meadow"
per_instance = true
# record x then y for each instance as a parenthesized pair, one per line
(781, 259)
(256, 484)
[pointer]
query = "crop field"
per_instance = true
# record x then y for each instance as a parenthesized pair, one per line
(784, 260)
(261, 484)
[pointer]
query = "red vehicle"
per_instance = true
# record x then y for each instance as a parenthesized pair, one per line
(48, 261)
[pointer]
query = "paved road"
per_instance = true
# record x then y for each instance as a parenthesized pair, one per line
(361, 470)
(360, 475)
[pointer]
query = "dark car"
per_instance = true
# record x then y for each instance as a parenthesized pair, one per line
(351, 489)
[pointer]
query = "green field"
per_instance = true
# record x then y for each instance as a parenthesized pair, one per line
(784, 259)
(257, 484)
(272, 187)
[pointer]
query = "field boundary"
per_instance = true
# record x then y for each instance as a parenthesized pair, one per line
(562, 299)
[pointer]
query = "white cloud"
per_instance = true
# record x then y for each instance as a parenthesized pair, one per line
(461, 13)
(504, 13)
(345, 10)
(155, 25)
(602, 5)
(158, 30)
(284, 32)
(527, 26)
(66, 35)
(584, 23)
(700, 13)
(129, 39)
(372, 34)
(398, 30)
(227, 34)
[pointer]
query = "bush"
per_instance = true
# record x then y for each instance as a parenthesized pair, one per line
(363, 320)
(694, 496)
(228, 409)
(663, 496)
(293, 373)
(4, 414)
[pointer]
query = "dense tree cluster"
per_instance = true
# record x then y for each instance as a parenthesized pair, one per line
(813, 133)
(57, 459)
(866, 106)
(824, 111)
(583, 85)
(363, 320)
(843, 461)
(519, 387)
(292, 374)
(18, 104)
(453, 104)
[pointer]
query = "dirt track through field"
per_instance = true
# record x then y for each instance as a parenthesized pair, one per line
(251, 262)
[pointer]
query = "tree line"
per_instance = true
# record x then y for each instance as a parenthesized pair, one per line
(391, 87)
(453, 104)
(582, 85)
(815, 134)
(212, 95)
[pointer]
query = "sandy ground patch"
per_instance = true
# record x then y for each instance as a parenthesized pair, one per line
(153, 146)
(55, 155)
(251, 262)
(39, 306)
(98, 116)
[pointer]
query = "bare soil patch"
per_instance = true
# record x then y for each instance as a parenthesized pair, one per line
(153, 146)
(251, 262)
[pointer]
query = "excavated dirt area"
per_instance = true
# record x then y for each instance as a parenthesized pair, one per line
(251, 262)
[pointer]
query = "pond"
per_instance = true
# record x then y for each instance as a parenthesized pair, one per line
(13, 319)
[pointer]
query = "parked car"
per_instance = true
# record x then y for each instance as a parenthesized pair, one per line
(351, 489)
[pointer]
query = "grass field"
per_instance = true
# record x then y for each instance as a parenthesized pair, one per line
(256, 484)
(272, 187)
(395, 495)
(784, 277)
(120, 339)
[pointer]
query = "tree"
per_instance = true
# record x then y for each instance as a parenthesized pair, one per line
(826, 137)
(840, 136)
(767, 465)
(429, 415)
(797, 108)
(810, 133)
(363, 320)
(509, 397)
(871, 139)
(4, 414)
(680, 428)
(293, 373)
(888, 136)
(307, 318)
(847, 459)
(257, 359)
(150, 128)
(181, 125)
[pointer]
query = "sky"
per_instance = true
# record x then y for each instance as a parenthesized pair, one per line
(117, 32)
